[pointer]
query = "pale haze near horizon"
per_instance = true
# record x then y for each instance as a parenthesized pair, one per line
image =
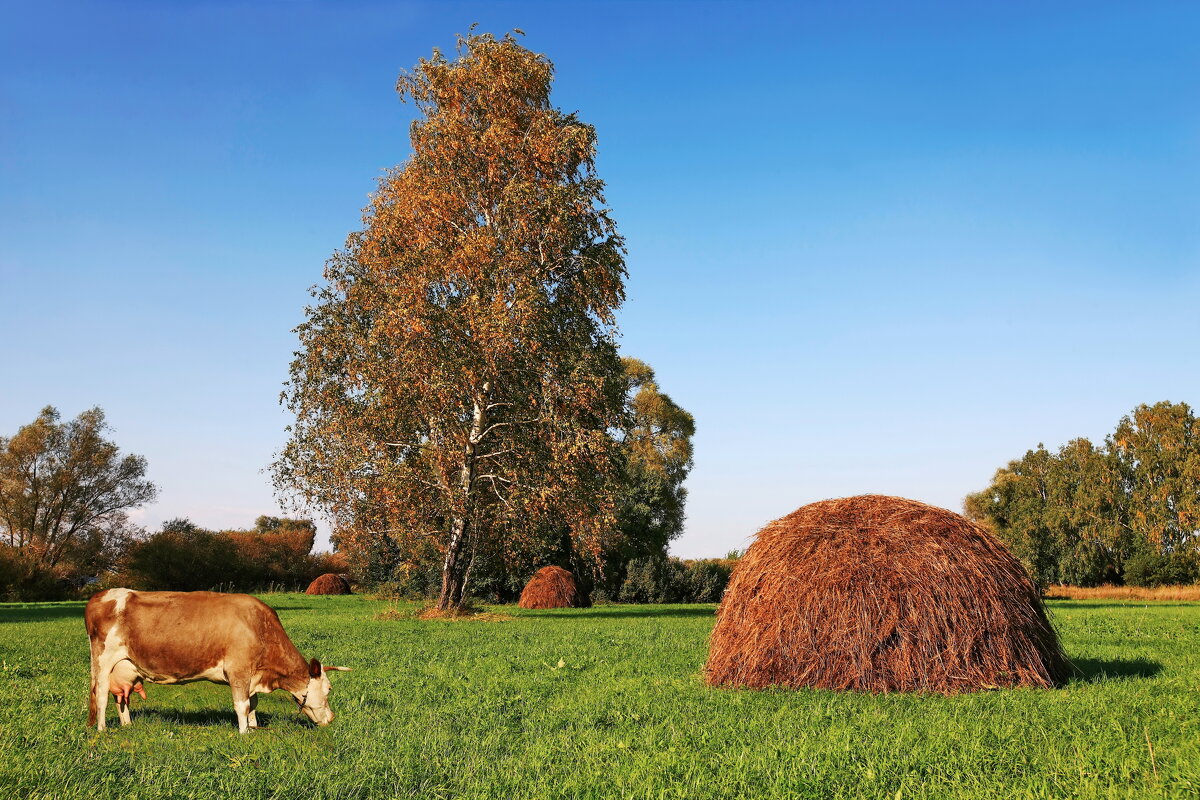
(870, 249)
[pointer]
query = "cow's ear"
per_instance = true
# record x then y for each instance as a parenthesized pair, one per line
(314, 668)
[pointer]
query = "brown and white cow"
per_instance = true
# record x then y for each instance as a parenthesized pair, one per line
(179, 637)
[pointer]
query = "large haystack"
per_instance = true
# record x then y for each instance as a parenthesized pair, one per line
(329, 583)
(881, 594)
(552, 587)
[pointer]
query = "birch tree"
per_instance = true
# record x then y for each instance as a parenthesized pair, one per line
(457, 375)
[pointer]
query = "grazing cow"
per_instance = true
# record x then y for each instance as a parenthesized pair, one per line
(179, 637)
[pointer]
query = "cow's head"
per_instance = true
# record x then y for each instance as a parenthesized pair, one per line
(315, 700)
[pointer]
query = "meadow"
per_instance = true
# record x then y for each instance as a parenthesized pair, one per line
(603, 702)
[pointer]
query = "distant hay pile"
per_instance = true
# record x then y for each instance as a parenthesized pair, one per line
(329, 583)
(552, 587)
(881, 594)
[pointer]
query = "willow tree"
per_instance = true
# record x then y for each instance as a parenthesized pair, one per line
(458, 376)
(65, 489)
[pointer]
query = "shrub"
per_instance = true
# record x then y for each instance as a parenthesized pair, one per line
(184, 557)
(654, 580)
(1153, 569)
(706, 580)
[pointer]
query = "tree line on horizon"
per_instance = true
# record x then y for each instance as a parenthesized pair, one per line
(1125, 511)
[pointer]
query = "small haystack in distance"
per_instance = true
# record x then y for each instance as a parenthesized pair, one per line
(329, 583)
(552, 587)
(881, 594)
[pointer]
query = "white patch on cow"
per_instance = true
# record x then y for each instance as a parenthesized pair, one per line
(215, 673)
(316, 700)
(121, 596)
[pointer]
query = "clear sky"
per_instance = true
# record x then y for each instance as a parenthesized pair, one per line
(877, 247)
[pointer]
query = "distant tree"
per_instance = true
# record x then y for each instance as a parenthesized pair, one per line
(1087, 515)
(655, 446)
(1157, 451)
(457, 376)
(1015, 506)
(65, 489)
(656, 449)
(277, 550)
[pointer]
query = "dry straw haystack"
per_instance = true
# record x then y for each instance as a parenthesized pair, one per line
(552, 587)
(329, 583)
(881, 594)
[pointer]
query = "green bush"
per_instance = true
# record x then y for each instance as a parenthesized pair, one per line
(1153, 569)
(654, 580)
(670, 580)
(706, 580)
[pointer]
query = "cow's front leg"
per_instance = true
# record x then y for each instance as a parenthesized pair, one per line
(252, 718)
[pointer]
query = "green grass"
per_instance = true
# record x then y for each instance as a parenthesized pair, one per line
(472, 709)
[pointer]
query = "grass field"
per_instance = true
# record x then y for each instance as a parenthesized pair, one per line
(605, 702)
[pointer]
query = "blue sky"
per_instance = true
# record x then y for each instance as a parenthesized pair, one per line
(872, 247)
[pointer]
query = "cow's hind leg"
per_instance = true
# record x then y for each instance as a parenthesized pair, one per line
(241, 703)
(93, 706)
(100, 690)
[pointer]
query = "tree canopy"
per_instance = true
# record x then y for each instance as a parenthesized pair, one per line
(65, 489)
(458, 376)
(1082, 514)
(655, 445)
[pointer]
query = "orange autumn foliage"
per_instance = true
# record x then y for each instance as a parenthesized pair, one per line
(458, 374)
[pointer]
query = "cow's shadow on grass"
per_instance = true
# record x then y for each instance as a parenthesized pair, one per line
(212, 718)
(1097, 670)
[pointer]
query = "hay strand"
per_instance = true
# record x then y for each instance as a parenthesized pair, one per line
(880, 594)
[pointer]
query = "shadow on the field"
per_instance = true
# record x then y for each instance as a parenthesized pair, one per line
(641, 612)
(40, 612)
(214, 718)
(1095, 670)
